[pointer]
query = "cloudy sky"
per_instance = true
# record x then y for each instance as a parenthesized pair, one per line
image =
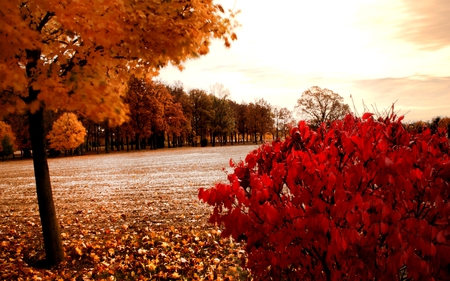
(377, 51)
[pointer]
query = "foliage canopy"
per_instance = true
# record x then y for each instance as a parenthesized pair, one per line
(78, 55)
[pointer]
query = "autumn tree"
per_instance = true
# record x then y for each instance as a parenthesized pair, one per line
(78, 56)
(176, 123)
(7, 140)
(259, 119)
(222, 121)
(318, 105)
(201, 105)
(234, 134)
(19, 126)
(283, 121)
(67, 133)
(145, 109)
(180, 96)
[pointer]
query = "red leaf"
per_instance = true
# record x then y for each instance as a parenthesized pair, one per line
(344, 244)
(203, 194)
(385, 212)
(250, 160)
(440, 238)
(353, 235)
(388, 162)
(366, 115)
(433, 250)
(351, 218)
(395, 216)
(384, 228)
(331, 181)
(271, 212)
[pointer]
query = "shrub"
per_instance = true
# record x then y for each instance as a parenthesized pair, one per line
(361, 199)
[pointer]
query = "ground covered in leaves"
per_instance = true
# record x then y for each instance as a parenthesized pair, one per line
(123, 216)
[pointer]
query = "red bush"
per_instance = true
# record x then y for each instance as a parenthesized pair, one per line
(362, 199)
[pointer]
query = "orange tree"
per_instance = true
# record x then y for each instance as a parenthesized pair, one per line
(67, 133)
(176, 123)
(151, 110)
(7, 140)
(78, 55)
(181, 97)
(145, 110)
(360, 199)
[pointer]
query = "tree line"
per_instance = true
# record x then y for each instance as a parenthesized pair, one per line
(161, 115)
(167, 115)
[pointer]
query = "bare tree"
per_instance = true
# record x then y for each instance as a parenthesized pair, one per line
(283, 121)
(320, 105)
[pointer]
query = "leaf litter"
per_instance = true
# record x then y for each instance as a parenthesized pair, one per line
(123, 216)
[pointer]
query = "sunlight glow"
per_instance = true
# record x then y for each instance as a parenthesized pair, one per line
(352, 47)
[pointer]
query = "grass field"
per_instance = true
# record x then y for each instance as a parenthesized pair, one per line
(123, 216)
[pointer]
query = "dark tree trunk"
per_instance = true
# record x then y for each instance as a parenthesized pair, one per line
(97, 139)
(107, 148)
(138, 142)
(111, 136)
(117, 139)
(54, 252)
(50, 227)
(168, 141)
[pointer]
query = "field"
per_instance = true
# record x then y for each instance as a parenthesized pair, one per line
(123, 216)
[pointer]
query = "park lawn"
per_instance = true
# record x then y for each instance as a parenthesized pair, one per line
(123, 216)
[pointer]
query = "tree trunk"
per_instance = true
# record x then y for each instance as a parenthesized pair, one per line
(138, 142)
(107, 145)
(117, 139)
(168, 141)
(50, 227)
(97, 138)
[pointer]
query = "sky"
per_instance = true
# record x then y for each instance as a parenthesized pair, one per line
(378, 52)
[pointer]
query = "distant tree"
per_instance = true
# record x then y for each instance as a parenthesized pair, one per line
(242, 121)
(283, 120)
(67, 133)
(234, 133)
(19, 126)
(260, 119)
(7, 140)
(445, 122)
(180, 96)
(176, 124)
(202, 112)
(319, 105)
(143, 106)
(163, 100)
(222, 121)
